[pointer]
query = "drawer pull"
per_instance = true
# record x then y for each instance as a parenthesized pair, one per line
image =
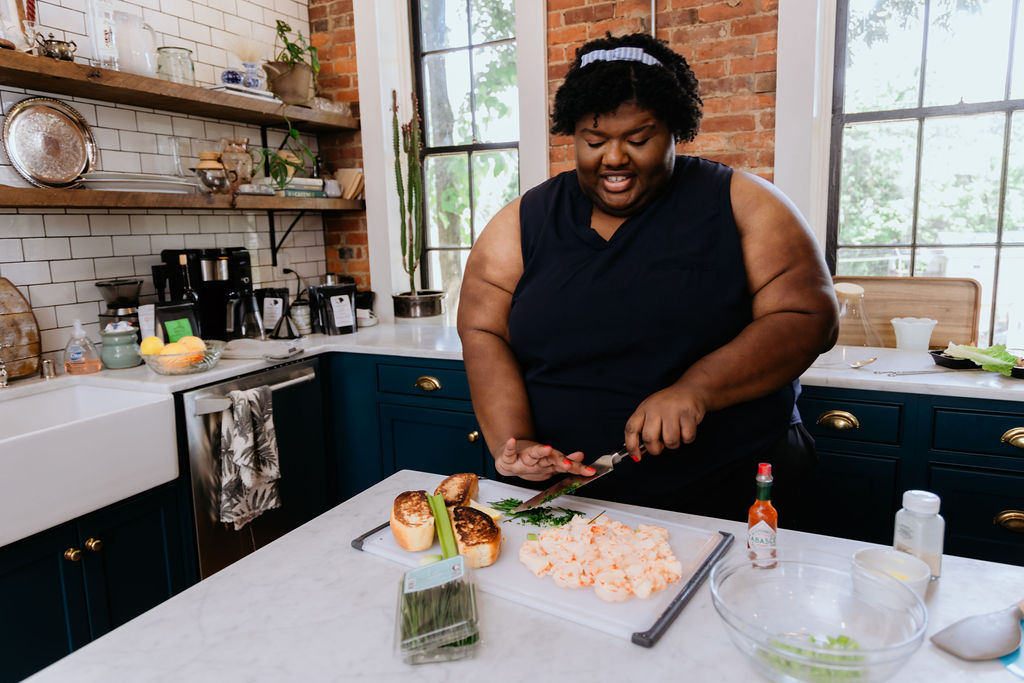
(93, 544)
(473, 436)
(1014, 437)
(73, 554)
(1010, 519)
(838, 419)
(427, 383)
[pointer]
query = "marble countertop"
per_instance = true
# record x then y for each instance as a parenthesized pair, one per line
(308, 607)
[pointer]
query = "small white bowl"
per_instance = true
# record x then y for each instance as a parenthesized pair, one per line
(912, 571)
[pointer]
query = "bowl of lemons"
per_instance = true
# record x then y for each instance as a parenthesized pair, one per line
(186, 356)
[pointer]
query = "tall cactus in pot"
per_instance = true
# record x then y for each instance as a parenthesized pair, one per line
(410, 189)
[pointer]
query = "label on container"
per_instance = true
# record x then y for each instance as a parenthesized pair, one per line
(75, 353)
(176, 329)
(272, 307)
(436, 574)
(341, 306)
(761, 540)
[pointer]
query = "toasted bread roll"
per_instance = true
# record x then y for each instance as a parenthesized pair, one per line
(477, 537)
(412, 522)
(458, 489)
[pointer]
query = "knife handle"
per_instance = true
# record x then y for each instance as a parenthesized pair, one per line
(618, 455)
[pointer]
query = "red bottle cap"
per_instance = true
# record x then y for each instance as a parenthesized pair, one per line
(764, 468)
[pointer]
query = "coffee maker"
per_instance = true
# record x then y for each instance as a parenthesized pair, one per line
(122, 297)
(222, 279)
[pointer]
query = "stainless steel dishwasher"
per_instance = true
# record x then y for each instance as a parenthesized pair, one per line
(303, 486)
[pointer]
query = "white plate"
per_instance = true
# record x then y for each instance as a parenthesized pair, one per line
(118, 175)
(176, 187)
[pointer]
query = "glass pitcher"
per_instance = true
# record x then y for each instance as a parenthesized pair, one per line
(237, 159)
(175, 64)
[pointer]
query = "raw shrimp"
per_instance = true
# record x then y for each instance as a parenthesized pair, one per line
(605, 554)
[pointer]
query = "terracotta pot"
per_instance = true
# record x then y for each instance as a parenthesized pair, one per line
(423, 304)
(291, 83)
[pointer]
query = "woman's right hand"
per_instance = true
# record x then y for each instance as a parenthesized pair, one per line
(535, 462)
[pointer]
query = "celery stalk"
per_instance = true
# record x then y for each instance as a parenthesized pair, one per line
(443, 524)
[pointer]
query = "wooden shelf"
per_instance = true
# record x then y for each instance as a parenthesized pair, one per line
(41, 198)
(23, 70)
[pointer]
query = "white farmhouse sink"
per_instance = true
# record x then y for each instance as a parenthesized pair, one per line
(69, 449)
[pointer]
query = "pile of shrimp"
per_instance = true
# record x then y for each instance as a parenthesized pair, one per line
(605, 554)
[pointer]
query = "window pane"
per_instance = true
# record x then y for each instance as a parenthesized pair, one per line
(496, 93)
(495, 184)
(968, 49)
(494, 20)
(446, 269)
(883, 58)
(973, 262)
(446, 110)
(1013, 213)
(876, 198)
(1009, 328)
(446, 192)
(443, 23)
(960, 162)
(888, 262)
(1017, 88)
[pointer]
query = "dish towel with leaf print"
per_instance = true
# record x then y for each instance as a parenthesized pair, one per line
(249, 467)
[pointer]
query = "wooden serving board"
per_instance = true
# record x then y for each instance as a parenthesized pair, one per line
(954, 302)
(642, 621)
(19, 332)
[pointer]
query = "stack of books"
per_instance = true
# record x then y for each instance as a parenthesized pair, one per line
(301, 187)
(351, 181)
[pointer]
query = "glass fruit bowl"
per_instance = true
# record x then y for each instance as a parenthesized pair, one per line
(185, 363)
(816, 617)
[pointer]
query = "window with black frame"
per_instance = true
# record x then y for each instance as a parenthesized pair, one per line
(465, 63)
(927, 149)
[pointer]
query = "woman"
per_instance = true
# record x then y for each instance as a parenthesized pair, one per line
(644, 298)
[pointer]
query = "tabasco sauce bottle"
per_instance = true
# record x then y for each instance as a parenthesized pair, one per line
(762, 520)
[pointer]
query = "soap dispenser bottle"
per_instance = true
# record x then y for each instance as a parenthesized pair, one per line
(80, 355)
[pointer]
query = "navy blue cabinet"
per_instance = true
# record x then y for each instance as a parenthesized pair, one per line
(873, 445)
(71, 584)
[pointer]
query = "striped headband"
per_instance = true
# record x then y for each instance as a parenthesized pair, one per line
(619, 54)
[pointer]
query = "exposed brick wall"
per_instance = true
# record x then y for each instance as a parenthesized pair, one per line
(730, 44)
(345, 237)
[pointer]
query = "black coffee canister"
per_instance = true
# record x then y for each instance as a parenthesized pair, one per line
(337, 308)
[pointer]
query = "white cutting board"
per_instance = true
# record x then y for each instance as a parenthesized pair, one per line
(510, 579)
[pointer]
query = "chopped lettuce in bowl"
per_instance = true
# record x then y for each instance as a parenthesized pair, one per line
(995, 358)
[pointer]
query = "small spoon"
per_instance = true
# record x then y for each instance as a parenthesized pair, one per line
(862, 363)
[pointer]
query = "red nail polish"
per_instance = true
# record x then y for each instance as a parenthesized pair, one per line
(636, 458)
(591, 470)
(567, 462)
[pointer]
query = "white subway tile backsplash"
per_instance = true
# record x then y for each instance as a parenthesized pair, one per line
(89, 247)
(46, 248)
(106, 138)
(54, 340)
(70, 271)
(87, 291)
(26, 272)
(158, 124)
(54, 15)
(229, 239)
(126, 162)
(110, 117)
(138, 142)
(166, 24)
(125, 245)
(21, 225)
(107, 224)
(46, 317)
(190, 30)
(182, 224)
(200, 241)
(149, 224)
(214, 223)
(64, 225)
(52, 295)
(121, 266)
(143, 266)
(177, 8)
(209, 16)
(161, 242)
(10, 250)
(67, 315)
(189, 128)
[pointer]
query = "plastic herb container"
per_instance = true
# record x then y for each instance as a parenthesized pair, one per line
(436, 619)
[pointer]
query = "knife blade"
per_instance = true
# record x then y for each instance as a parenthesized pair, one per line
(603, 465)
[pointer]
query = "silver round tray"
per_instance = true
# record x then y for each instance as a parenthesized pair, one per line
(48, 142)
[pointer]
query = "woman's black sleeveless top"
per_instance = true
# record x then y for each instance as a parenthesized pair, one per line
(598, 326)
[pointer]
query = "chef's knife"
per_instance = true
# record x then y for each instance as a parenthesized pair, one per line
(605, 464)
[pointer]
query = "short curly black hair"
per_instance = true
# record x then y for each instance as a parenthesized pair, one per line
(669, 91)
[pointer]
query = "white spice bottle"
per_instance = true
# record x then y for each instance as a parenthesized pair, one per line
(920, 528)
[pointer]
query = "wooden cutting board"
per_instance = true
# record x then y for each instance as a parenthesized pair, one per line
(19, 332)
(641, 621)
(953, 301)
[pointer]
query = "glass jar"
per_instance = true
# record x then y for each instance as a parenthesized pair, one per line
(237, 160)
(854, 327)
(120, 349)
(175, 64)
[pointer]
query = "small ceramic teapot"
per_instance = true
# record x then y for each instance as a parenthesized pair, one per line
(57, 49)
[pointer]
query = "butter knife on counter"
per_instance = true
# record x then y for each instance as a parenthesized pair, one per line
(605, 464)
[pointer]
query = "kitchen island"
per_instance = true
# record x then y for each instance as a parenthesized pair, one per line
(308, 607)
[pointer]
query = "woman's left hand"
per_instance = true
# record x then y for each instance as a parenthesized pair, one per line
(665, 419)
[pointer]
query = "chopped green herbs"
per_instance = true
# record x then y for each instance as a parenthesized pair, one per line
(564, 492)
(845, 663)
(427, 613)
(541, 516)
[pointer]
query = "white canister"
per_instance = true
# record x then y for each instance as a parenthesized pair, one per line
(913, 334)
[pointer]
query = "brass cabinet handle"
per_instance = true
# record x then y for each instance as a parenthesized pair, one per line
(1014, 437)
(93, 544)
(473, 436)
(838, 419)
(1010, 519)
(427, 383)
(73, 554)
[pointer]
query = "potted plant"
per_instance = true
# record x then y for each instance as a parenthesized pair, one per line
(406, 142)
(292, 75)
